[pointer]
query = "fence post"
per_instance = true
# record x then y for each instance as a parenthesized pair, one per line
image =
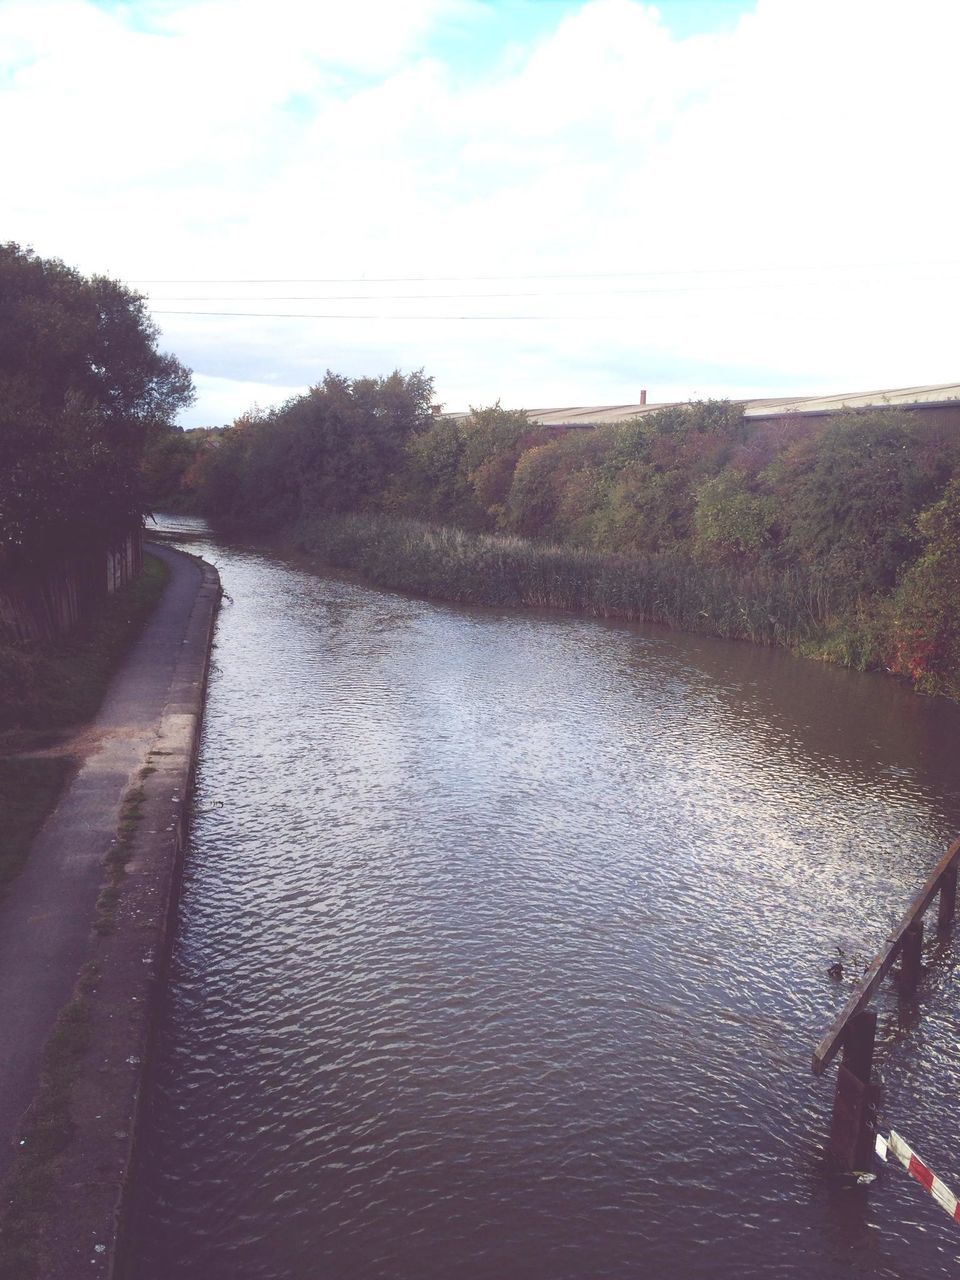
(911, 956)
(855, 1105)
(948, 898)
(852, 1130)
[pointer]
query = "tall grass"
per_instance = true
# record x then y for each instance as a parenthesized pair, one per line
(765, 606)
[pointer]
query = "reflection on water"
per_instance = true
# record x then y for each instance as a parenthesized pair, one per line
(503, 951)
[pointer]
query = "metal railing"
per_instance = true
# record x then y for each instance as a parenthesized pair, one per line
(854, 1030)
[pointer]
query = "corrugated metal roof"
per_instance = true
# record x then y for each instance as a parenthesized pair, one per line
(904, 397)
(590, 414)
(939, 393)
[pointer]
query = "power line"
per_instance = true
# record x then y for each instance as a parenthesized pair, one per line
(430, 297)
(533, 293)
(718, 293)
(582, 275)
(303, 315)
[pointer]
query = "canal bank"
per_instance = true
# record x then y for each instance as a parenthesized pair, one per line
(83, 943)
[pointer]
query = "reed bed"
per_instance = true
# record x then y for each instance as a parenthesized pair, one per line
(766, 606)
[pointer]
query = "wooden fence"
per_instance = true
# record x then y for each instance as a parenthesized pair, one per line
(43, 604)
(854, 1030)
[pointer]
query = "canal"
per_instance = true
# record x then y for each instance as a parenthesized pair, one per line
(503, 949)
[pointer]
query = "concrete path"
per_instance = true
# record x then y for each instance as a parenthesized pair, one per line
(46, 918)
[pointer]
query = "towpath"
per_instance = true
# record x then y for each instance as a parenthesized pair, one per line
(47, 916)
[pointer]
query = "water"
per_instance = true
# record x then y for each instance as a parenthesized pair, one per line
(503, 952)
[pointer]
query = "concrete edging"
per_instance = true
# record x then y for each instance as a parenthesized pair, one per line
(108, 1096)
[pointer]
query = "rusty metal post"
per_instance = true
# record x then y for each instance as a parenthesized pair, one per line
(948, 898)
(853, 1128)
(911, 956)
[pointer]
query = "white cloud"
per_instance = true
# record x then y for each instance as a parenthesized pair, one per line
(232, 140)
(221, 396)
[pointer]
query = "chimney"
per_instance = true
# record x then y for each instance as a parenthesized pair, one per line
(643, 396)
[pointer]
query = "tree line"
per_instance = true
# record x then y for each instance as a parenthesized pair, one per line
(82, 387)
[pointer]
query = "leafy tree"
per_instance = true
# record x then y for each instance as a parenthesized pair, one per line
(730, 521)
(927, 602)
(334, 449)
(645, 510)
(850, 496)
(534, 495)
(351, 436)
(557, 487)
(167, 462)
(216, 477)
(495, 438)
(434, 483)
(81, 385)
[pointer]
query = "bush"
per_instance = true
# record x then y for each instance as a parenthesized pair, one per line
(926, 633)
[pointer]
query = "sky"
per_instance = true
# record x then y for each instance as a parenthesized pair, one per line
(541, 202)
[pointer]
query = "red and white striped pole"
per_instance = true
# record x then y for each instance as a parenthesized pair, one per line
(917, 1169)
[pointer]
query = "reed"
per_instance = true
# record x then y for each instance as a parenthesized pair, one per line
(766, 606)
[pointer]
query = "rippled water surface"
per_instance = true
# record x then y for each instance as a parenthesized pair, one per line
(503, 951)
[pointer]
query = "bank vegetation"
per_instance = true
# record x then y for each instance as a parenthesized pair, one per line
(838, 536)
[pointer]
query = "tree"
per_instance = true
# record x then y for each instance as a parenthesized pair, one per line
(850, 496)
(494, 440)
(730, 521)
(352, 434)
(168, 458)
(337, 448)
(927, 602)
(81, 385)
(434, 483)
(556, 487)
